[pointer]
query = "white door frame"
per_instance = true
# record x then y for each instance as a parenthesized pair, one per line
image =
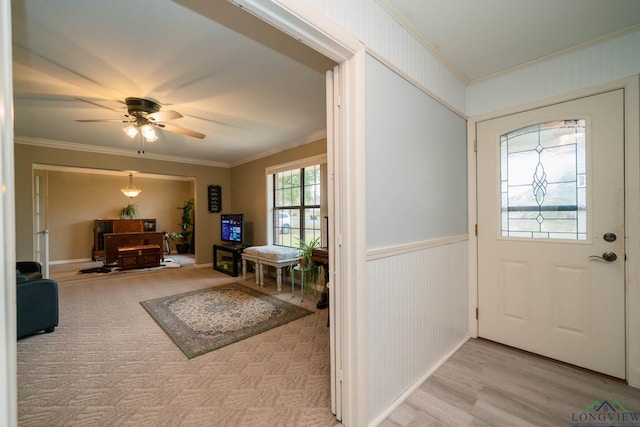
(8, 363)
(632, 207)
(305, 23)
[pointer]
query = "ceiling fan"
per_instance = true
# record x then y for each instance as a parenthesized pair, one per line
(142, 116)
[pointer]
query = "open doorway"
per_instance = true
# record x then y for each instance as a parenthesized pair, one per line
(75, 203)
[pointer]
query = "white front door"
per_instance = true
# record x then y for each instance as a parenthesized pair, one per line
(551, 231)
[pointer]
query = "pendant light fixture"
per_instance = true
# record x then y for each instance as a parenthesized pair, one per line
(131, 190)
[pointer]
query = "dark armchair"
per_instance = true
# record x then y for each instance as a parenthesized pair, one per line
(27, 271)
(37, 300)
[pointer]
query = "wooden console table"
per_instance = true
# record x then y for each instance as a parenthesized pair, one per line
(114, 241)
(139, 256)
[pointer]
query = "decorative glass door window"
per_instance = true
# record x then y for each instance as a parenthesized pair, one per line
(544, 181)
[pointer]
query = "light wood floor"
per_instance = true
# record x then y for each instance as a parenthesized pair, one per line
(486, 384)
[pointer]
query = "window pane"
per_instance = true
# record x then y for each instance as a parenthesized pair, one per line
(543, 181)
(296, 206)
(311, 224)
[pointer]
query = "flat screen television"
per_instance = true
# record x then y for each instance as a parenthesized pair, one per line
(232, 228)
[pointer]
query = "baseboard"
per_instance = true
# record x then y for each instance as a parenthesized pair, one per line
(208, 265)
(70, 261)
(380, 418)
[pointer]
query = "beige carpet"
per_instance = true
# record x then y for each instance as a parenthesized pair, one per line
(109, 363)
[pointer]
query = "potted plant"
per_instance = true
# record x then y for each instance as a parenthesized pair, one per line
(185, 232)
(128, 212)
(183, 246)
(312, 271)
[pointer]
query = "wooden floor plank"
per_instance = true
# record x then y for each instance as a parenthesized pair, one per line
(487, 384)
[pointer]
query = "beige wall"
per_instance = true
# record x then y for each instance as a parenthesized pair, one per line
(249, 186)
(76, 199)
(207, 224)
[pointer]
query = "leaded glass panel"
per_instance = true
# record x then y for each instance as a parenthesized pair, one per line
(544, 181)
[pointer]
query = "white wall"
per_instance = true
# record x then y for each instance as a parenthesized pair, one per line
(416, 161)
(372, 25)
(416, 226)
(601, 63)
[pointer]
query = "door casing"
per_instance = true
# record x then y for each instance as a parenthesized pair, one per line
(631, 86)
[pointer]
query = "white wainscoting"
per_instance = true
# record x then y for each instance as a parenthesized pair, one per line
(417, 307)
(594, 65)
(372, 25)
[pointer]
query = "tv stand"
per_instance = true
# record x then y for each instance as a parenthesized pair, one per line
(226, 258)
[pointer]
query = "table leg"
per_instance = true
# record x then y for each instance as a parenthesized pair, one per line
(261, 276)
(244, 269)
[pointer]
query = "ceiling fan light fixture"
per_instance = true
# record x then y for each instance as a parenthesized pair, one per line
(149, 133)
(131, 190)
(131, 130)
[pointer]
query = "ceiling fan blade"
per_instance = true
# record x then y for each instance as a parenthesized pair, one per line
(163, 116)
(101, 106)
(180, 130)
(103, 120)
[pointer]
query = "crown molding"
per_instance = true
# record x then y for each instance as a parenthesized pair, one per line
(404, 23)
(313, 137)
(109, 172)
(73, 146)
(560, 53)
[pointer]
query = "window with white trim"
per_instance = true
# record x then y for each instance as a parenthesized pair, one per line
(296, 197)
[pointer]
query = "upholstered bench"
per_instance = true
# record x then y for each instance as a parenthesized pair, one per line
(274, 256)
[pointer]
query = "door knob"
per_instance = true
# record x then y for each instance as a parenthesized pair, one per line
(607, 256)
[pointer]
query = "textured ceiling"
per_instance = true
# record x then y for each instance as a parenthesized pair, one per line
(251, 89)
(479, 38)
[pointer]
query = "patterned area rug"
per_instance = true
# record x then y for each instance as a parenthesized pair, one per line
(207, 319)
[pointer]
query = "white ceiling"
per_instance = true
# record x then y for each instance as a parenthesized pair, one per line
(251, 89)
(479, 38)
(248, 97)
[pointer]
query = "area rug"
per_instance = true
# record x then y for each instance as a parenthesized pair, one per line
(207, 319)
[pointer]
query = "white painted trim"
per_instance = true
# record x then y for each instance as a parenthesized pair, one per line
(414, 82)
(306, 24)
(297, 164)
(109, 172)
(61, 145)
(380, 418)
(632, 205)
(334, 139)
(632, 227)
(69, 261)
(388, 6)
(389, 251)
(207, 265)
(473, 220)
(352, 239)
(558, 54)
(315, 136)
(8, 362)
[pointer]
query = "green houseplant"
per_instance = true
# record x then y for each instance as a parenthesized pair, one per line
(185, 224)
(312, 271)
(128, 212)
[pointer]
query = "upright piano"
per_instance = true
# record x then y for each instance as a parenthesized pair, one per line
(320, 256)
